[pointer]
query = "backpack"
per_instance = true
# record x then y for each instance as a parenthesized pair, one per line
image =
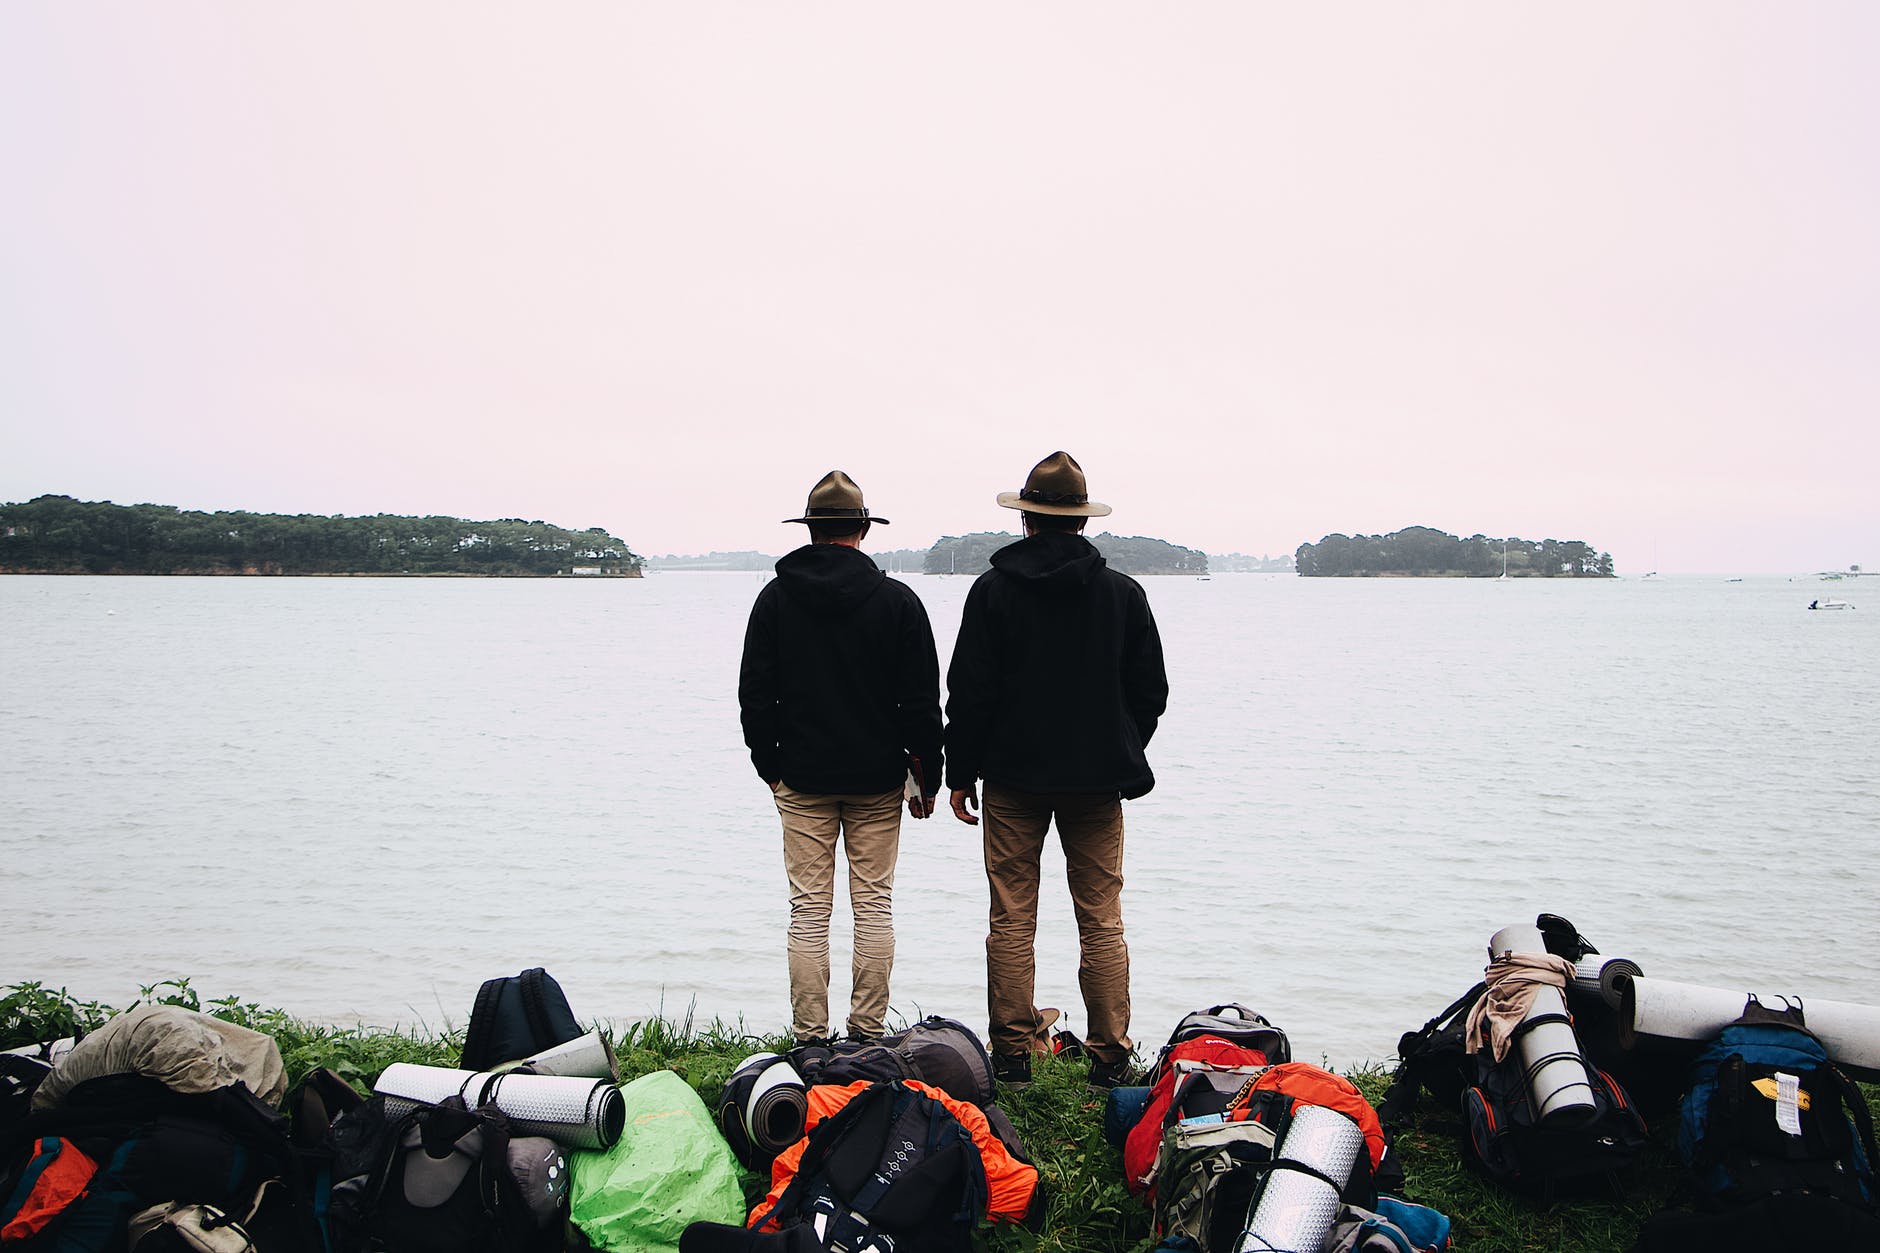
(1768, 1113)
(940, 1052)
(443, 1179)
(1208, 1165)
(892, 1169)
(1505, 1139)
(1500, 1134)
(1236, 1024)
(1222, 1134)
(516, 1017)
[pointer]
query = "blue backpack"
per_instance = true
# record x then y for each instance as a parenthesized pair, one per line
(1769, 1114)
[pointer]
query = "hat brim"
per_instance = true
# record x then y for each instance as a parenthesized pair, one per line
(827, 518)
(1090, 509)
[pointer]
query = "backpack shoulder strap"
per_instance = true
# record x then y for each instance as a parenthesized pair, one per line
(476, 1040)
(1401, 1097)
(534, 1001)
(1855, 1102)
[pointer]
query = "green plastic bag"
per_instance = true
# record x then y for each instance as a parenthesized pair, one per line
(670, 1168)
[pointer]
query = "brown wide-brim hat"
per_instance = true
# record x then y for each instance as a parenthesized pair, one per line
(1056, 485)
(836, 498)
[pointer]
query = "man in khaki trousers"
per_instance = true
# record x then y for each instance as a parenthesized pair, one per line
(839, 695)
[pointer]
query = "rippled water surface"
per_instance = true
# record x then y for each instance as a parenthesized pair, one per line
(360, 798)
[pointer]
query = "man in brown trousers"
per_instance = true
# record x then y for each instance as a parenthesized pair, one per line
(1055, 687)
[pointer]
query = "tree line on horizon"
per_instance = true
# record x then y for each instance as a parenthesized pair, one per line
(1421, 551)
(972, 554)
(60, 535)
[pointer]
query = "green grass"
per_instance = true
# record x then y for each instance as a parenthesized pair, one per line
(1087, 1208)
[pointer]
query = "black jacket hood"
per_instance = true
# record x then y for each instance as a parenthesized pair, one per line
(1055, 559)
(830, 578)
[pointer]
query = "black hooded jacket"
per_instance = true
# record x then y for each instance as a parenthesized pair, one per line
(840, 682)
(1056, 682)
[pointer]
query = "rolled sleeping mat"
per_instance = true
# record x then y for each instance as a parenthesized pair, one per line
(576, 1112)
(1688, 1011)
(1598, 975)
(1296, 1208)
(1557, 1079)
(588, 1056)
(764, 1108)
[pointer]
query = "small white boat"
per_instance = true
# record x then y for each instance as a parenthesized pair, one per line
(1829, 604)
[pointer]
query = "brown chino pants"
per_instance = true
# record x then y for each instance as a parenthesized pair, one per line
(869, 829)
(1090, 828)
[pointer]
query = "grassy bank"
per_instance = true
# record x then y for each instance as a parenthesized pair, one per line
(1061, 1123)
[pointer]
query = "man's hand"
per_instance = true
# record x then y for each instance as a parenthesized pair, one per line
(964, 799)
(920, 806)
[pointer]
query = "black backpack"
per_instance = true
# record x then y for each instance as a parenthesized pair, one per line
(1507, 1141)
(1500, 1133)
(435, 1180)
(895, 1163)
(516, 1017)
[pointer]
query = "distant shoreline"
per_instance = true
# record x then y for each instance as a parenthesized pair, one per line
(316, 574)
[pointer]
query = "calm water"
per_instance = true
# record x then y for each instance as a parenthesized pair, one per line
(361, 798)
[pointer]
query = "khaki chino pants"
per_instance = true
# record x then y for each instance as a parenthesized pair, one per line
(869, 830)
(1090, 828)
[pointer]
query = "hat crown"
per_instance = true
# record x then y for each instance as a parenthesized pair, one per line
(836, 496)
(1057, 480)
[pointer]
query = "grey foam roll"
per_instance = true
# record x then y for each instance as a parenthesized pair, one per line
(577, 1112)
(777, 1109)
(1599, 976)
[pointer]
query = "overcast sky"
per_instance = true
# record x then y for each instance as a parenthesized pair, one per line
(1606, 272)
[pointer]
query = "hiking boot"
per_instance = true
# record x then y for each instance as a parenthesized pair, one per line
(1107, 1075)
(1013, 1072)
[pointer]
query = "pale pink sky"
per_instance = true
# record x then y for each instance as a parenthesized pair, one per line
(1597, 271)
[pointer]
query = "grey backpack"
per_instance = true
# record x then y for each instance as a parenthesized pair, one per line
(937, 1051)
(1236, 1024)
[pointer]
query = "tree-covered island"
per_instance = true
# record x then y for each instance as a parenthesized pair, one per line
(1134, 555)
(60, 535)
(1423, 552)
